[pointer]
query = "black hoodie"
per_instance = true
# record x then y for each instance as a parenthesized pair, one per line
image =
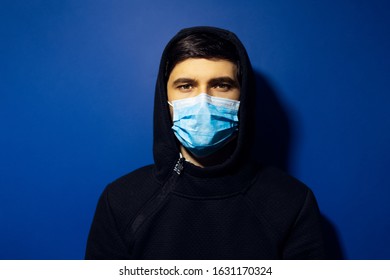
(234, 210)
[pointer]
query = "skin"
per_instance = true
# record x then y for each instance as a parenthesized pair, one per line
(198, 75)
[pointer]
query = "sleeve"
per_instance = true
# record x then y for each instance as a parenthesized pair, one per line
(305, 240)
(104, 240)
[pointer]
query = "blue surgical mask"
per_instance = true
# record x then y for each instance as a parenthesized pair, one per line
(203, 124)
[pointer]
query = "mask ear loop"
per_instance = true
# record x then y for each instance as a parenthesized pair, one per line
(173, 110)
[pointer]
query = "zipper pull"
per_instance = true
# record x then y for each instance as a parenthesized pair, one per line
(179, 166)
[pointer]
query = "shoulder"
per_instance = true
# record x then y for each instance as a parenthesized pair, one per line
(127, 194)
(133, 186)
(133, 182)
(272, 182)
(279, 197)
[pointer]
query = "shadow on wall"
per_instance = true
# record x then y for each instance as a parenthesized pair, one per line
(272, 146)
(273, 131)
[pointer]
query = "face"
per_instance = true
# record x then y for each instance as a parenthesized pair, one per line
(198, 75)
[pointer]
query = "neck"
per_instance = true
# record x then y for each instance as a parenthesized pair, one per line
(214, 159)
(189, 157)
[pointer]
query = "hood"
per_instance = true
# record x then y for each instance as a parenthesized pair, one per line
(165, 146)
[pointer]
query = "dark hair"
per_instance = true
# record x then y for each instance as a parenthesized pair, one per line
(201, 45)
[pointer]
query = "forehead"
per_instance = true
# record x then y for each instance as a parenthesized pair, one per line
(204, 68)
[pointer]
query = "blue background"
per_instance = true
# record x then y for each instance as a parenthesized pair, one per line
(76, 96)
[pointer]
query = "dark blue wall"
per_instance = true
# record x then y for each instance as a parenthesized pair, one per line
(76, 96)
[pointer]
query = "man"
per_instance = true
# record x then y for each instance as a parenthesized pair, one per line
(204, 198)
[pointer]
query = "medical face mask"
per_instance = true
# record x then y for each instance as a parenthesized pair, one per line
(203, 124)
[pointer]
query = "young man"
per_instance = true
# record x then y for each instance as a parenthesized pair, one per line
(204, 198)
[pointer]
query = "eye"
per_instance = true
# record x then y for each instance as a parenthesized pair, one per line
(223, 86)
(185, 87)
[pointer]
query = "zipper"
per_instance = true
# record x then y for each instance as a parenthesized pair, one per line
(153, 205)
(179, 166)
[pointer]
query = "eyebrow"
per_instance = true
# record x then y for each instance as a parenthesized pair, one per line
(183, 81)
(227, 80)
(212, 81)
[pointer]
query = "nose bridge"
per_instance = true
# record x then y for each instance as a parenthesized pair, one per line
(203, 88)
